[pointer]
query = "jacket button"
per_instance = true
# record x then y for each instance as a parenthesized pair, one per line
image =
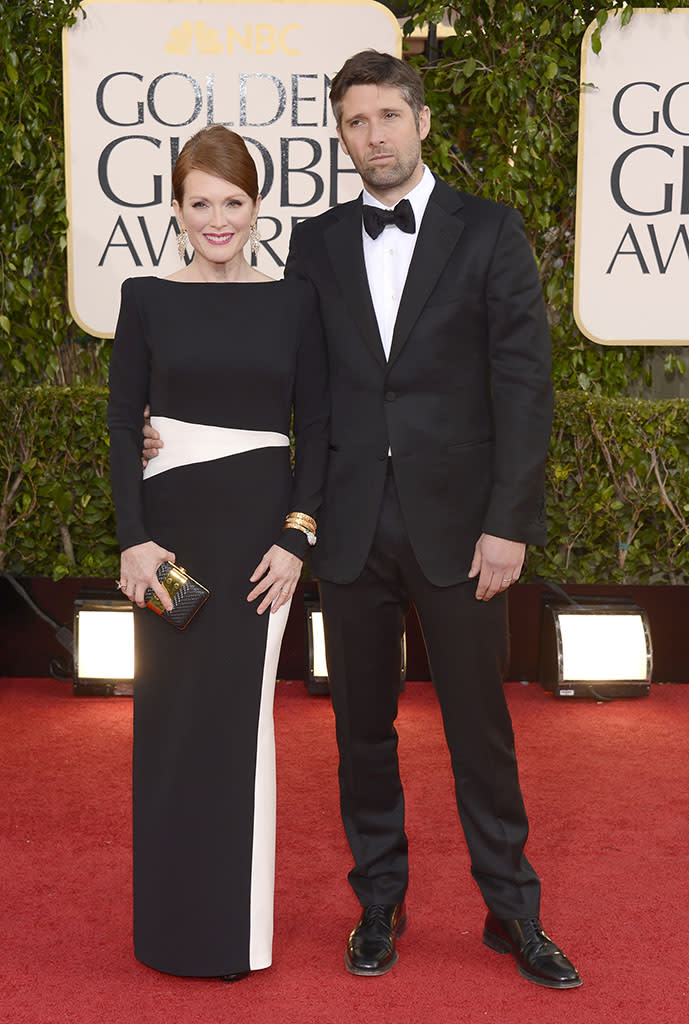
(390, 396)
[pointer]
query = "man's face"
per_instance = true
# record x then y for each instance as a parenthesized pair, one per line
(380, 133)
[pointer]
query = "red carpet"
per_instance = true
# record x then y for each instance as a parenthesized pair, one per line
(607, 789)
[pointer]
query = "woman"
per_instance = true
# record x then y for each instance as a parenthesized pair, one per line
(223, 354)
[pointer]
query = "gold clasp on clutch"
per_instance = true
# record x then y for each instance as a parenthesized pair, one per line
(175, 579)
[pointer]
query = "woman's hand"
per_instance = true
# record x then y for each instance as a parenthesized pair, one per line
(278, 573)
(138, 566)
(151, 441)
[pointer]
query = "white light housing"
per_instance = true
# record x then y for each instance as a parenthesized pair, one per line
(106, 645)
(597, 647)
(596, 650)
(319, 666)
(103, 645)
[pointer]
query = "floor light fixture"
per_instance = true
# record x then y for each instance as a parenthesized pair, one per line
(103, 645)
(592, 648)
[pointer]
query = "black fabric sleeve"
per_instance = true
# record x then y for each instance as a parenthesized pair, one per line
(522, 390)
(311, 418)
(129, 393)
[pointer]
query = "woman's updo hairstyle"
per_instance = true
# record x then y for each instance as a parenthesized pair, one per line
(217, 151)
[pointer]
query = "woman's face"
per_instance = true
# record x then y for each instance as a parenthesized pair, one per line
(217, 216)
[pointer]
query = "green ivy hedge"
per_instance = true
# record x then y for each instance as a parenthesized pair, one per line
(56, 515)
(618, 492)
(39, 341)
(618, 488)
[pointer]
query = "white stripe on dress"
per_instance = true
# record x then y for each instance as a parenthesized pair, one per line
(263, 850)
(187, 443)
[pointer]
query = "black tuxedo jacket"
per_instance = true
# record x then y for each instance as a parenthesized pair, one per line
(464, 401)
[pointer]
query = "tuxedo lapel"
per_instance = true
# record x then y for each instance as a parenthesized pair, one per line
(346, 252)
(439, 233)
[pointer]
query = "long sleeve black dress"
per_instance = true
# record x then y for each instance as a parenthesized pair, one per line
(223, 367)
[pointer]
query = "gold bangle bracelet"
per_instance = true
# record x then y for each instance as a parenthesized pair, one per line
(298, 526)
(302, 519)
(300, 515)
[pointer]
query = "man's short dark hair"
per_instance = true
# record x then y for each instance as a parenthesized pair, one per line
(373, 68)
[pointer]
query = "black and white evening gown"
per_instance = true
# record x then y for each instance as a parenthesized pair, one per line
(223, 366)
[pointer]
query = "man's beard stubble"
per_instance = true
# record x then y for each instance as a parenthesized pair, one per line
(394, 175)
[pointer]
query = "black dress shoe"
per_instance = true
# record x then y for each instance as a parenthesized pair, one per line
(235, 977)
(371, 946)
(538, 958)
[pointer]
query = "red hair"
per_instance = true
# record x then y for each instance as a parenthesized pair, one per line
(217, 151)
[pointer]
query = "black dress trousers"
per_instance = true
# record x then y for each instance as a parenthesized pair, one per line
(466, 641)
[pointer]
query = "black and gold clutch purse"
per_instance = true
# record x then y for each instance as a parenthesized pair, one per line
(187, 595)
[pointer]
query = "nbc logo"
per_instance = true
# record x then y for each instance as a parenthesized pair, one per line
(260, 39)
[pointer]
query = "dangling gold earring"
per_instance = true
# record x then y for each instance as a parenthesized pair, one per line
(254, 240)
(182, 243)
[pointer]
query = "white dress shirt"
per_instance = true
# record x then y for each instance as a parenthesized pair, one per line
(388, 256)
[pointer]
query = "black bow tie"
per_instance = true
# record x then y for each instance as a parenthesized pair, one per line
(376, 219)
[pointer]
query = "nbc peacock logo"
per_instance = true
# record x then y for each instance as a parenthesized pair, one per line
(182, 39)
(261, 39)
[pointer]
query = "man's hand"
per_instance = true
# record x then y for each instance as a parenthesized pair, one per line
(497, 563)
(278, 573)
(138, 566)
(152, 440)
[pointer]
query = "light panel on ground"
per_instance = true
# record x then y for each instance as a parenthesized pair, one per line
(105, 644)
(320, 665)
(597, 647)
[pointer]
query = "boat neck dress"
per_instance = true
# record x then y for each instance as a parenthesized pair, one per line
(224, 367)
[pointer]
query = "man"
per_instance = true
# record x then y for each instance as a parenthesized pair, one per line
(439, 359)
